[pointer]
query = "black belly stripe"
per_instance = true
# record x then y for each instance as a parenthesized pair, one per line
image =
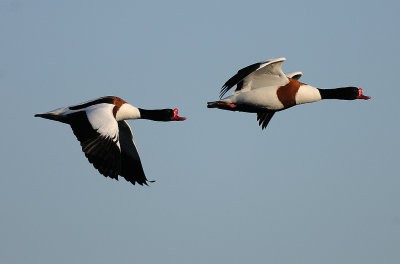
(107, 100)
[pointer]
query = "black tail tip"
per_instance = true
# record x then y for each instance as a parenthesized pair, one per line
(211, 104)
(42, 115)
(51, 117)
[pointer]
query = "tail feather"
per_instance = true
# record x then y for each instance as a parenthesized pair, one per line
(52, 117)
(212, 104)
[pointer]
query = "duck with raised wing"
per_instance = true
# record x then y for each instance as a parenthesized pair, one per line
(105, 136)
(264, 89)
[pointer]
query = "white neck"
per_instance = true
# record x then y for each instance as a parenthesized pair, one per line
(307, 94)
(127, 111)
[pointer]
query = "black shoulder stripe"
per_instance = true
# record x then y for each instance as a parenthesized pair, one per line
(107, 100)
(81, 126)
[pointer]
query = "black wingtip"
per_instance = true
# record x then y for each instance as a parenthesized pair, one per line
(264, 118)
(223, 91)
(145, 183)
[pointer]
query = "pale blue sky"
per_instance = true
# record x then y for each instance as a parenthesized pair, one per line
(319, 185)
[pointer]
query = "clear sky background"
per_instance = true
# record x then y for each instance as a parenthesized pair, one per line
(319, 185)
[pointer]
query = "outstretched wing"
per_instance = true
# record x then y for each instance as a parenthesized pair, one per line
(262, 74)
(263, 118)
(239, 78)
(100, 145)
(131, 166)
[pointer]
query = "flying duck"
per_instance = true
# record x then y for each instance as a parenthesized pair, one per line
(264, 89)
(105, 136)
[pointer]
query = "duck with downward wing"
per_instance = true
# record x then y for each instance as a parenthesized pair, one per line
(105, 136)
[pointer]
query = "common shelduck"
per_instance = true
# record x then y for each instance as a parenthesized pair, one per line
(105, 136)
(264, 89)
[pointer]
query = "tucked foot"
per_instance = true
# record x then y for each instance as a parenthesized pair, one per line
(226, 105)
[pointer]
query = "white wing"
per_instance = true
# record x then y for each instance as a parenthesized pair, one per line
(269, 74)
(97, 130)
(258, 75)
(101, 118)
(294, 75)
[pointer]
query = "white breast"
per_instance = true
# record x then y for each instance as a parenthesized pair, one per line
(307, 94)
(127, 111)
